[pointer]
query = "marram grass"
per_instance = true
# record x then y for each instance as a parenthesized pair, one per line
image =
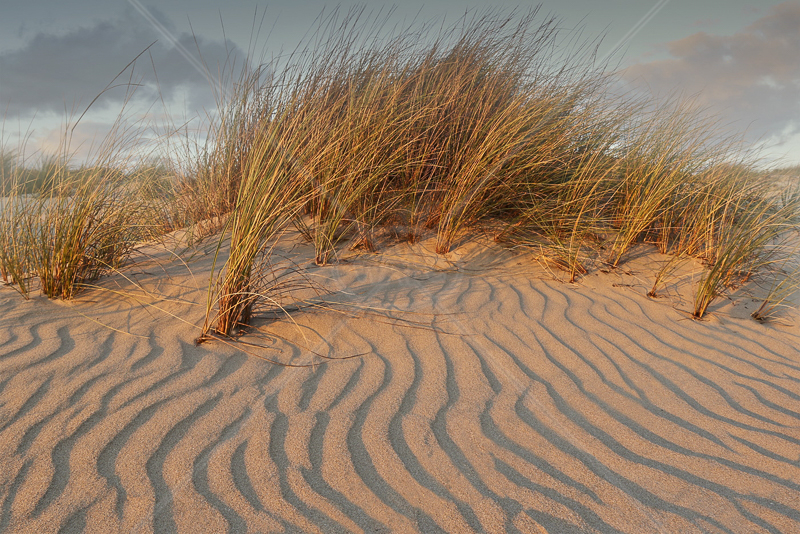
(481, 123)
(498, 121)
(63, 226)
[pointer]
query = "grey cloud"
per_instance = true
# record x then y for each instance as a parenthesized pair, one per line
(751, 77)
(52, 72)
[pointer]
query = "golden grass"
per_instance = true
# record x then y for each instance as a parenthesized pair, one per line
(497, 121)
(63, 226)
(482, 122)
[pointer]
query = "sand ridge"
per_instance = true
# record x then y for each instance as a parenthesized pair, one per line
(484, 397)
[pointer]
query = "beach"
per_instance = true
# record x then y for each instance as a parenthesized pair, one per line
(432, 275)
(466, 392)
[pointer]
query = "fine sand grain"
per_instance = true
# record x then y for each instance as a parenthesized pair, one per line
(472, 393)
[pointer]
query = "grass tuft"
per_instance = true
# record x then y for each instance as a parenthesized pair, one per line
(499, 121)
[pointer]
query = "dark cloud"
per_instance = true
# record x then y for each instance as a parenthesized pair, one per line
(51, 72)
(751, 77)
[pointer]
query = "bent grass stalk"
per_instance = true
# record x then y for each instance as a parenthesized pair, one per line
(748, 227)
(81, 223)
(481, 123)
(268, 198)
(664, 274)
(781, 291)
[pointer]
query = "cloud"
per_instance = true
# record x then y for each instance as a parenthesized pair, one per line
(751, 78)
(53, 72)
(706, 23)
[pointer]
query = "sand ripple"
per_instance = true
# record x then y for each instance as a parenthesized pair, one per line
(511, 404)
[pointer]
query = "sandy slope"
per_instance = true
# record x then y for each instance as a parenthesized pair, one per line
(484, 396)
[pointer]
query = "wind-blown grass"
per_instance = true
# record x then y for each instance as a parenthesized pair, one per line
(751, 227)
(498, 121)
(64, 226)
(267, 200)
(484, 122)
(783, 288)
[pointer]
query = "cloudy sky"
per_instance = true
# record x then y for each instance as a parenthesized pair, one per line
(739, 57)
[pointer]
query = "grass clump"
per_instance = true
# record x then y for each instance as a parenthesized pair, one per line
(417, 130)
(751, 236)
(486, 122)
(267, 200)
(498, 121)
(784, 287)
(64, 226)
(664, 274)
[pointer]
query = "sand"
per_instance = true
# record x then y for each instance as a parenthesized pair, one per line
(472, 393)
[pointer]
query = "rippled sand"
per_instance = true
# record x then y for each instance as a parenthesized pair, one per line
(483, 397)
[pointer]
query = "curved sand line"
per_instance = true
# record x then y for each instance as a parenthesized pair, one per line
(487, 399)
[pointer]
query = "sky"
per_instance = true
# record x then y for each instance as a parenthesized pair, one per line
(739, 58)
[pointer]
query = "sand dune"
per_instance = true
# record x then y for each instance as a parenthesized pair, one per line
(482, 397)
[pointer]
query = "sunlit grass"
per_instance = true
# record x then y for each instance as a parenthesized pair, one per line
(64, 225)
(481, 123)
(496, 121)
